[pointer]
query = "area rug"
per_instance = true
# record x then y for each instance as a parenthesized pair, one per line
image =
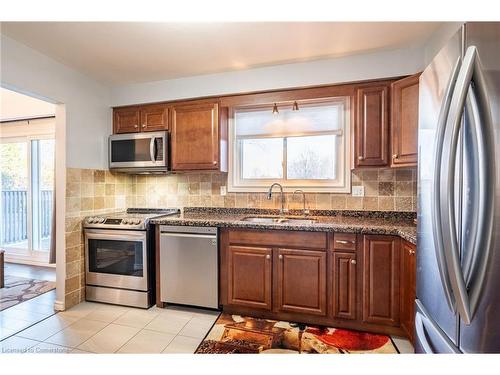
(20, 289)
(237, 334)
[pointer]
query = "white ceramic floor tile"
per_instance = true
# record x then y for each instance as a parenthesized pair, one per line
(207, 315)
(147, 342)
(48, 327)
(35, 306)
(47, 348)
(177, 311)
(404, 346)
(182, 344)
(80, 310)
(168, 323)
(76, 333)
(137, 318)
(29, 316)
(107, 315)
(196, 328)
(16, 345)
(109, 340)
(10, 323)
(4, 333)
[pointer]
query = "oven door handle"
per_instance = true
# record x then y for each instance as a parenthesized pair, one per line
(116, 235)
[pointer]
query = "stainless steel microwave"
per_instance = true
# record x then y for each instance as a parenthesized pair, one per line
(139, 153)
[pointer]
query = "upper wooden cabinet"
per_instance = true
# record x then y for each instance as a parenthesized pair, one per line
(371, 134)
(152, 117)
(195, 137)
(404, 121)
(381, 273)
(408, 288)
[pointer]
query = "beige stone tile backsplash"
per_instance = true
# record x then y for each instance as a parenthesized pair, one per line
(90, 192)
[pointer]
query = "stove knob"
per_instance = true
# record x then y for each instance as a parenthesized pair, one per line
(125, 221)
(90, 220)
(137, 221)
(101, 220)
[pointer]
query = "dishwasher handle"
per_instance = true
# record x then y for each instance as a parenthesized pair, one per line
(188, 235)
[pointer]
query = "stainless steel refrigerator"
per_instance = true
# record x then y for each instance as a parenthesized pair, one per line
(458, 230)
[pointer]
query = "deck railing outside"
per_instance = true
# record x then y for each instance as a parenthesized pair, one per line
(14, 214)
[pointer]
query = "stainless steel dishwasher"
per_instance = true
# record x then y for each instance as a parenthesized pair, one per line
(189, 266)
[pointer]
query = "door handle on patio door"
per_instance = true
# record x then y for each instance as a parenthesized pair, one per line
(469, 72)
(436, 190)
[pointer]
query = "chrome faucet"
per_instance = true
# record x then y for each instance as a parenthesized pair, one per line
(270, 195)
(305, 211)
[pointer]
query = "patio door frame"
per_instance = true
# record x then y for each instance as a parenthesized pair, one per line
(28, 255)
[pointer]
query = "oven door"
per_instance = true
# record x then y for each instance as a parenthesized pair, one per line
(116, 259)
(138, 150)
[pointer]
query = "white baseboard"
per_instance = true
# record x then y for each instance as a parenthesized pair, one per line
(59, 306)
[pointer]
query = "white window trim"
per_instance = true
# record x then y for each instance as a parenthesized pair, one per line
(319, 186)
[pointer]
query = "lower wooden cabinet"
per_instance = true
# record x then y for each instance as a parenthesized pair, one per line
(408, 288)
(301, 284)
(343, 273)
(381, 272)
(249, 277)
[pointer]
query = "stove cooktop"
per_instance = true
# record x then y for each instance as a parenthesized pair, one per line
(132, 218)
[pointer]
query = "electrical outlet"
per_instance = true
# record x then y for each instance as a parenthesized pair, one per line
(223, 190)
(358, 191)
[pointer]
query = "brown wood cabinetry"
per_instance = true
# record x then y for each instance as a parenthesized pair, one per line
(381, 273)
(344, 285)
(134, 119)
(404, 121)
(371, 136)
(408, 288)
(301, 281)
(195, 136)
(249, 276)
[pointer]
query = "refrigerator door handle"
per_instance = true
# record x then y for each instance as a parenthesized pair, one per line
(479, 114)
(470, 69)
(436, 191)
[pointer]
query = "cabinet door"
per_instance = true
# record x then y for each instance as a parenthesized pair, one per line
(408, 288)
(249, 276)
(404, 121)
(154, 118)
(372, 127)
(195, 137)
(381, 272)
(301, 281)
(126, 120)
(344, 285)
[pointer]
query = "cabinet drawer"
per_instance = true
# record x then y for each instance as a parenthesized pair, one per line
(344, 241)
(280, 238)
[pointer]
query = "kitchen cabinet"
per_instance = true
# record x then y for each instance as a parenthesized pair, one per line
(404, 121)
(301, 279)
(371, 135)
(344, 285)
(134, 119)
(381, 279)
(195, 136)
(408, 288)
(249, 276)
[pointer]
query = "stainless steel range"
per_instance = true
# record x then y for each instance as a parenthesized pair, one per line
(119, 257)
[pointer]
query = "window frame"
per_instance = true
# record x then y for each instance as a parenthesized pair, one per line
(342, 185)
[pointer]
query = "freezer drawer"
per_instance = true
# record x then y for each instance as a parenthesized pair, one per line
(429, 338)
(189, 266)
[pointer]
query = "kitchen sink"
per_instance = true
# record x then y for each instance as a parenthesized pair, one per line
(279, 220)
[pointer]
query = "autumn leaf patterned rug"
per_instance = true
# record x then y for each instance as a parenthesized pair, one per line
(20, 289)
(236, 334)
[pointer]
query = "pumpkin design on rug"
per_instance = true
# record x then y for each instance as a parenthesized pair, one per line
(237, 334)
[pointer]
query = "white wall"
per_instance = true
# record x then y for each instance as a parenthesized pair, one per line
(438, 39)
(88, 116)
(327, 71)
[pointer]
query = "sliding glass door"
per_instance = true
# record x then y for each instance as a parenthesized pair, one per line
(27, 180)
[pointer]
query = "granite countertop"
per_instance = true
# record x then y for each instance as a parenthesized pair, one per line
(372, 222)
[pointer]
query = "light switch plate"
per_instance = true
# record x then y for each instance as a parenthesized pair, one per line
(358, 191)
(223, 190)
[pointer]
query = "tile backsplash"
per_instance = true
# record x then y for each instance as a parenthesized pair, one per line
(90, 192)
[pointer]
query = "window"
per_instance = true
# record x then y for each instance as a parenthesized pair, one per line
(27, 179)
(306, 148)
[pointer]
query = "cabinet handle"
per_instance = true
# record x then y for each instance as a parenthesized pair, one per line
(268, 256)
(353, 261)
(344, 242)
(280, 257)
(360, 157)
(144, 125)
(215, 162)
(136, 126)
(395, 156)
(411, 252)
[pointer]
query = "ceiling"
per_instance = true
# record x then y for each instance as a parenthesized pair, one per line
(126, 52)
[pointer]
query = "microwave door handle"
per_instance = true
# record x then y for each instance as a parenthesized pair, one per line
(152, 151)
